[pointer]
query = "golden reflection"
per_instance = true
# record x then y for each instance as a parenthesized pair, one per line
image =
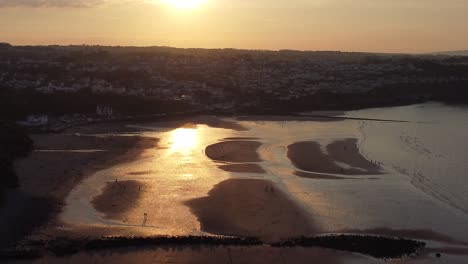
(187, 176)
(184, 140)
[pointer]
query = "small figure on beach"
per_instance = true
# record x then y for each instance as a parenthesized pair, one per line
(145, 219)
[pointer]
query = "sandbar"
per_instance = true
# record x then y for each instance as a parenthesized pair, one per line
(250, 207)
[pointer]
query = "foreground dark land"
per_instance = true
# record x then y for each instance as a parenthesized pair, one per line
(375, 246)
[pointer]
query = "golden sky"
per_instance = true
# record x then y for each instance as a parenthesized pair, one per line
(347, 25)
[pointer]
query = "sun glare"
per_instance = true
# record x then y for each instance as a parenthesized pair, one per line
(184, 4)
(183, 140)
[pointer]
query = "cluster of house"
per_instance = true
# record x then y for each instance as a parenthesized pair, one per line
(44, 122)
(167, 77)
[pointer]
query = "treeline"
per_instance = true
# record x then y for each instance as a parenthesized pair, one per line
(16, 105)
(392, 95)
(14, 143)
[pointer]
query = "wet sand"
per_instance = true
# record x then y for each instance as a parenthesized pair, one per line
(308, 156)
(238, 152)
(117, 198)
(317, 176)
(46, 178)
(250, 207)
(241, 138)
(245, 168)
(138, 173)
(346, 151)
(55, 174)
(234, 151)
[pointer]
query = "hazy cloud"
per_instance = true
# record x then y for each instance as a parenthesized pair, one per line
(50, 3)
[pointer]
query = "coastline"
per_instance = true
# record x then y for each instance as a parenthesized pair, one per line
(241, 201)
(46, 178)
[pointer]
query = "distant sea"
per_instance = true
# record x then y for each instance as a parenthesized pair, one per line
(431, 149)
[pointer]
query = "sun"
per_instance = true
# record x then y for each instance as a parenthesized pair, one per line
(184, 4)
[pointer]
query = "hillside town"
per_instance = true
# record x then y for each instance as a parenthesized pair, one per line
(220, 81)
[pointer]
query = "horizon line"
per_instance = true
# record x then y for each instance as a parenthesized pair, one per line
(238, 49)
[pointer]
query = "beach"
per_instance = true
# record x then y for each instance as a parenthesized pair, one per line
(117, 198)
(58, 164)
(250, 208)
(272, 180)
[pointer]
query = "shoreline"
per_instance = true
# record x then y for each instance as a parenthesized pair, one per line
(242, 206)
(46, 178)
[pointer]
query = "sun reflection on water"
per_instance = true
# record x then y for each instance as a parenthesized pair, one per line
(184, 140)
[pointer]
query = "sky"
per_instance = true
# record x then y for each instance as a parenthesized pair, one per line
(348, 25)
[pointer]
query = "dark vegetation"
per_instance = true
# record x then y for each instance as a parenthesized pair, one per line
(16, 105)
(4, 45)
(14, 143)
(396, 95)
(376, 246)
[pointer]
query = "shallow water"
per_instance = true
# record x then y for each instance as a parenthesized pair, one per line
(424, 187)
(432, 149)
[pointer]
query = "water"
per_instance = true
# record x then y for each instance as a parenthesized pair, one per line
(424, 188)
(431, 149)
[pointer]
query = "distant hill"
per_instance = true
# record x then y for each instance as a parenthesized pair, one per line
(4, 45)
(452, 53)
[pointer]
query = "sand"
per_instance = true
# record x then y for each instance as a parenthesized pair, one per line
(239, 153)
(241, 138)
(250, 207)
(55, 174)
(46, 178)
(308, 156)
(243, 168)
(346, 151)
(138, 173)
(117, 198)
(318, 176)
(234, 151)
